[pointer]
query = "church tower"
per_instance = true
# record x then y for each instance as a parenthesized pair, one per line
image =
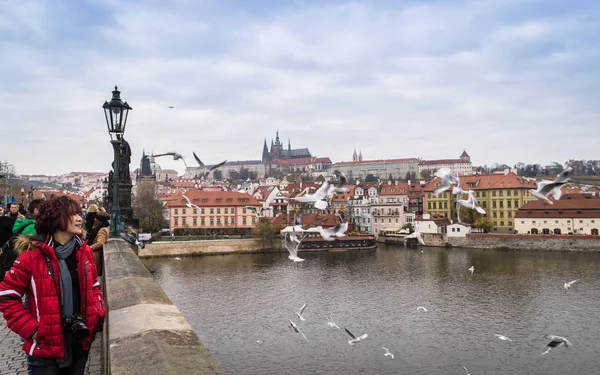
(265, 152)
(354, 156)
(360, 156)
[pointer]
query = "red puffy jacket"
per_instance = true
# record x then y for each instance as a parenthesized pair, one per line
(31, 275)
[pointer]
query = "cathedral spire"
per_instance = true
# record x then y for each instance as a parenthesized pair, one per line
(289, 145)
(354, 156)
(360, 156)
(277, 139)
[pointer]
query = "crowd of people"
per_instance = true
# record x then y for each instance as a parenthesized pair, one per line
(50, 261)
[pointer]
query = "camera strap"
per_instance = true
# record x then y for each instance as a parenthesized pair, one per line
(58, 291)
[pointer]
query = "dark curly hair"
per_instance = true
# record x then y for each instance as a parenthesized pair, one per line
(55, 214)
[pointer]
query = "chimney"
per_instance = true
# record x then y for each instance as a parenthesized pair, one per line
(396, 182)
(408, 182)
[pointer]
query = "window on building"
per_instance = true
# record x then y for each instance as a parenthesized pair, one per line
(493, 204)
(434, 205)
(508, 203)
(244, 210)
(510, 214)
(202, 211)
(522, 222)
(580, 221)
(225, 221)
(556, 221)
(176, 211)
(212, 221)
(493, 193)
(195, 221)
(218, 220)
(483, 193)
(194, 211)
(429, 205)
(501, 204)
(445, 205)
(495, 223)
(477, 194)
(218, 210)
(501, 215)
(244, 220)
(508, 193)
(453, 229)
(494, 214)
(212, 211)
(233, 220)
(500, 193)
(183, 211)
(202, 223)
(176, 221)
(458, 229)
(502, 223)
(516, 203)
(389, 220)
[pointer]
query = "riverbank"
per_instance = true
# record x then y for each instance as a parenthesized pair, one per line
(535, 242)
(209, 247)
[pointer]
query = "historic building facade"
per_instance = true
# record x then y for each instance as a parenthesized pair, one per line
(461, 166)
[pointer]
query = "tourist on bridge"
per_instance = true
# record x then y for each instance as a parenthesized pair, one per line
(60, 324)
(98, 237)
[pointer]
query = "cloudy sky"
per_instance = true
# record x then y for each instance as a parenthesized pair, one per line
(507, 80)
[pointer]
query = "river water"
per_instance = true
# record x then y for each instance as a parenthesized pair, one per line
(240, 306)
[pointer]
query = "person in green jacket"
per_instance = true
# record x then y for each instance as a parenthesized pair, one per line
(22, 226)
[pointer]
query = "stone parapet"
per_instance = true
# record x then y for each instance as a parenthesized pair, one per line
(528, 242)
(146, 333)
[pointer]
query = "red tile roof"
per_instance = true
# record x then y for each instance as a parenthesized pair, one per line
(488, 181)
(323, 160)
(584, 206)
(393, 189)
(298, 161)
(204, 198)
(464, 154)
(441, 161)
(438, 219)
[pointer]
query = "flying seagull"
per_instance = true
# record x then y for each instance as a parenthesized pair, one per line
(330, 234)
(472, 269)
(175, 155)
(470, 203)
(387, 352)
(316, 198)
(178, 259)
(293, 250)
(297, 330)
(467, 371)
(189, 203)
(339, 186)
(132, 239)
(171, 106)
(502, 337)
(556, 341)
(299, 313)
(546, 188)
(568, 285)
(201, 165)
(421, 308)
(448, 179)
(331, 323)
(355, 339)
(416, 234)
(257, 212)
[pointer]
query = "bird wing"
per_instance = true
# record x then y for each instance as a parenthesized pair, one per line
(200, 163)
(218, 165)
(386, 349)
(572, 282)
(321, 192)
(350, 333)
(165, 154)
(467, 371)
(302, 309)
(187, 199)
(127, 238)
(557, 194)
(564, 175)
(251, 208)
(420, 238)
(288, 245)
(546, 187)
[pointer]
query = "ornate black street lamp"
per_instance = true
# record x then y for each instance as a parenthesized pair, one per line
(116, 112)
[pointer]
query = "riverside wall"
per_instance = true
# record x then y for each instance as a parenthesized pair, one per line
(509, 241)
(208, 247)
(144, 332)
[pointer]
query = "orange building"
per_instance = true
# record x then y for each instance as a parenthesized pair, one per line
(222, 212)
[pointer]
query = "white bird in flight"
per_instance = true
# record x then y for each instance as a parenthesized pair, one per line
(556, 341)
(178, 258)
(472, 269)
(387, 353)
(331, 323)
(421, 308)
(189, 203)
(297, 330)
(568, 285)
(175, 155)
(502, 337)
(201, 165)
(448, 179)
(467, 371)
(416, 234)
(545, 188)
(299, 313)
(330, 234)
(355, 339)
(469, 203)
(258, 212)
(293, 250)
(316, 198)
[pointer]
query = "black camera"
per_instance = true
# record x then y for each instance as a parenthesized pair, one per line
(76, 324)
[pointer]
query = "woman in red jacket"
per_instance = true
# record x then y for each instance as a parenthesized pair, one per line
(57, 273)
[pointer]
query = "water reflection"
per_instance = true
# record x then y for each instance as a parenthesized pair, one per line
(233, 301)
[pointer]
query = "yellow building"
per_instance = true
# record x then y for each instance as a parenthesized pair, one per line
(500, 194)
(222, 212)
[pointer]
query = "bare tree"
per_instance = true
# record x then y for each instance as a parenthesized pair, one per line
(147, 208)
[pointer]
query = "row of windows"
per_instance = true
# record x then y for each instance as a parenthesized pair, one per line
(226, 210)
(510, 223)
(383, 220)
(556, 221)
(212, 221)
(483, 194)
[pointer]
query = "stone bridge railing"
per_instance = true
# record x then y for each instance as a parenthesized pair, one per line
(144, 332)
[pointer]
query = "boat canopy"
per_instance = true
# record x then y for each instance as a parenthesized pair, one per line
(298, 229)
